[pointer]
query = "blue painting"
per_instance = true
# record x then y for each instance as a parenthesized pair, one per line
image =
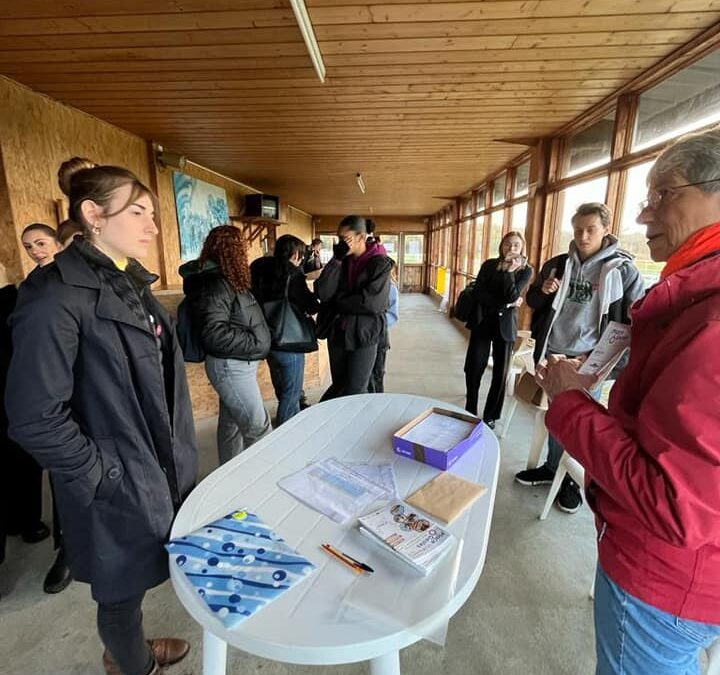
(200, 207)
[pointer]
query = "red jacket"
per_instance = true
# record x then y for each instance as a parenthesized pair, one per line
(652, 459)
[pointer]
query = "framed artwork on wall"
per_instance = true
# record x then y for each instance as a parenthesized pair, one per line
(200, 206)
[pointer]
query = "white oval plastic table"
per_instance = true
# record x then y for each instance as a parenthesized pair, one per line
(302, 626)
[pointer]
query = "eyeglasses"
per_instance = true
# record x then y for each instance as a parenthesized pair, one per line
(657, 197)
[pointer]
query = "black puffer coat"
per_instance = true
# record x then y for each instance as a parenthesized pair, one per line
(97, 393)
(232, 324)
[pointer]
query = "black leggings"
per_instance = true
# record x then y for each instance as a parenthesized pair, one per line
(350, 369)
(120, 628)
(475, 363)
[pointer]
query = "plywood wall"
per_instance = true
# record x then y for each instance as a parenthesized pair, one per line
(37, 135)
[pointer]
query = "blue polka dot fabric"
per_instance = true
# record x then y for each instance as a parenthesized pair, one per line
(237, 565)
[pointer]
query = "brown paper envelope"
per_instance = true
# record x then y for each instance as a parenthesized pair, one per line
(446, 496)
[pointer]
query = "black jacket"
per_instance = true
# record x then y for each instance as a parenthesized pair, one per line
(232, 324)
(96, 401)
(360, 311)
(269, 276)
(494, 291)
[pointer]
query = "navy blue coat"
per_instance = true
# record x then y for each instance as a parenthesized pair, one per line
(89, 397)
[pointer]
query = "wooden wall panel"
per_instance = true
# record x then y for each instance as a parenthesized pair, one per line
(38, 134)
(386, 224)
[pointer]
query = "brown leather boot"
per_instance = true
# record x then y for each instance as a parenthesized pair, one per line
(167, 651)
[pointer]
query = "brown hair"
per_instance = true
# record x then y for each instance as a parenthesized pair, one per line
(41, 227)
(68, 229)
(68, 168)
(225, 246)
(512, 233)
(594, 209)
(99, 185)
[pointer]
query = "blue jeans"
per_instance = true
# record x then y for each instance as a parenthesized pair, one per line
(243, 418)
(634, 638)
(555, 450)
(287, 370)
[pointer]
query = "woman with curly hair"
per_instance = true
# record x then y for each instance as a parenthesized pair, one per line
(233, 334)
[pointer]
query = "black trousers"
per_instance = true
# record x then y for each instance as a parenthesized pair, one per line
(377, 378)
(476, 361)
(350, 369)
(21, 489)
(121, 631)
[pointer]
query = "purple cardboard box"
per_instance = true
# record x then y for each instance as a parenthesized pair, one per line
(440, 459)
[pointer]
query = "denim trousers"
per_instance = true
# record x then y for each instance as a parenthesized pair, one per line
(243, 418)
(287, 370)
(121, 631)
(634, 638)
(555, 450)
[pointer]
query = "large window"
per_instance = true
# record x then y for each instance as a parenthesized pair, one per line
(632, 235)
(498, 194)
(688, 100)
(479, 241)
(496, 233)
(519, 217)
(464, 246)
(391, 242)
(570, 199)
(413, 252)
(590, 147)
(326, 252)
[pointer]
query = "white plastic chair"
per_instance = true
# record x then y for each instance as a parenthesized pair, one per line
(567, 465)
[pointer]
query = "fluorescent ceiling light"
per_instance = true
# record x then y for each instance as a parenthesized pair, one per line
(303, 19)
(361, 183)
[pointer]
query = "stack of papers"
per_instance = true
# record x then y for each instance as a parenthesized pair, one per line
(415, 539)
(446, 496)
(334, 489)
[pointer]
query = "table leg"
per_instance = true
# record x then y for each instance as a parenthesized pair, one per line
(387, 664)
(214, 654)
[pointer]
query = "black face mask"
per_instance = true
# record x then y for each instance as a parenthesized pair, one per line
(341, 249)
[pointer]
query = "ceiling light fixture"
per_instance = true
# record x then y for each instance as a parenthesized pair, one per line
(306, 28)
(361, 183)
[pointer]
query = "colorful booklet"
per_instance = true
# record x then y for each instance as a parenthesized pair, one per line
(412, 537)
(238, 565)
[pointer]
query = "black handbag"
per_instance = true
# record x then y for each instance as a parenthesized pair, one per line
(290, 329)
(465, 303)
(188, 334)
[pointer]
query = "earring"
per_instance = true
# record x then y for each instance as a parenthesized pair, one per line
(95, 229)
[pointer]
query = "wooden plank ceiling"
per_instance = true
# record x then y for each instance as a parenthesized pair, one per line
(416, 92)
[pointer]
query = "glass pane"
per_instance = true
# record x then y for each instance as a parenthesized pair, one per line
(326, 252)
(467, 206)
(414, 244)
(479, 200)
(590, 147)
(519, 217)
(496, 233)
(522, 180)
(632, 235)
(498, 196)
(570, 199)
(391, 242)
(688, 100)
(464, 246)
(479, 232)
(447, 240)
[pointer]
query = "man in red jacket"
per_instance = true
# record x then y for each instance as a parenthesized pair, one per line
(652, 459)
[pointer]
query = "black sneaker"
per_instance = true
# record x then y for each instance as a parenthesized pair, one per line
(569, 499)
(532, 477)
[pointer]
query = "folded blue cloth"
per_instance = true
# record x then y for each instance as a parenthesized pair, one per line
(238, 565)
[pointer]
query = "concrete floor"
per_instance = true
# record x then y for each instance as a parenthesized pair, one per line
(529, 615)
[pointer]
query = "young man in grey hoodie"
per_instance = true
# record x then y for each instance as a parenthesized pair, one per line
(573, 298)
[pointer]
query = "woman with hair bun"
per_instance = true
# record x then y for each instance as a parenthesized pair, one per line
(354, 288)
(107, 409)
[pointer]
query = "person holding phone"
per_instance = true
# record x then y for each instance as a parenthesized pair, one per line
(498, 291)
(573, 298)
